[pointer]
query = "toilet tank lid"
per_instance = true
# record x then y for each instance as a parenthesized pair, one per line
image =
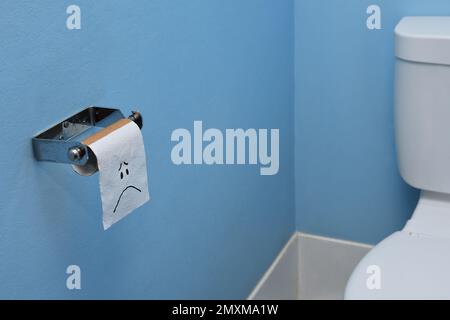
(423, 39)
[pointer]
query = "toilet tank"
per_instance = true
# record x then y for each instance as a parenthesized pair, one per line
(422, 102)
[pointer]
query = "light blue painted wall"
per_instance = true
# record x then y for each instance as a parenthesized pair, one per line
(347, 183)
(208, 232)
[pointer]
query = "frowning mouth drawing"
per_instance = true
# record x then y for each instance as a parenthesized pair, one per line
(124, 168)
(120, 197)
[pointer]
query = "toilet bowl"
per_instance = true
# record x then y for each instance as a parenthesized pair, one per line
(410, 264)
(414, 263)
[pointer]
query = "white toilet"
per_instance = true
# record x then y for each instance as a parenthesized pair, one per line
(415, 262)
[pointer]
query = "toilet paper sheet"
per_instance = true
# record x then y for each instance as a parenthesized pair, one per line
(121, 161)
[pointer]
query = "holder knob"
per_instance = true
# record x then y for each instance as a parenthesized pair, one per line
(137, 118)
(76, 154)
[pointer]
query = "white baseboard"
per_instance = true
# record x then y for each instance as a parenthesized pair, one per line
(310, 267)
(280, 280)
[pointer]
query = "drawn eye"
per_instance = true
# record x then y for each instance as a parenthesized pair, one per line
(128, 172)
(121, 175)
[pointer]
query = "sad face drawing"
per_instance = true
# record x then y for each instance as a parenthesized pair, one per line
(122, 166)
(123, 174)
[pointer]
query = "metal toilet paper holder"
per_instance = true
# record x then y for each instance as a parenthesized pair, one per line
(62, 143)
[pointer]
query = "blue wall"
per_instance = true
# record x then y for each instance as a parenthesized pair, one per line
(208, 232)
(347, 183)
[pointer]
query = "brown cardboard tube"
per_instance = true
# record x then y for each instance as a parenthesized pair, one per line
(91, 166)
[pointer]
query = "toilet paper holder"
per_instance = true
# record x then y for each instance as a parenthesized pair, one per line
(62, 143)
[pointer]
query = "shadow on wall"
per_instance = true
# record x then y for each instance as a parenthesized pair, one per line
(347, 181)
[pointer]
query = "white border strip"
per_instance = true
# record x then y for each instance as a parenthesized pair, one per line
(345, 242)
(274, 264)
(296, 237)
